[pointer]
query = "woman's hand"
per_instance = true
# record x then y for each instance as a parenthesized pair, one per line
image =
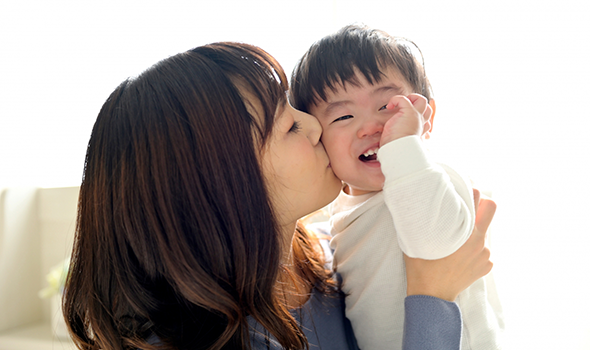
(447, 277)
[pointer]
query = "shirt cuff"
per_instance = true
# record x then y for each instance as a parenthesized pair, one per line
(403, 157)
(431, 324)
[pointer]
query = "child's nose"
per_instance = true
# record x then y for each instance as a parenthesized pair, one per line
(370, 128)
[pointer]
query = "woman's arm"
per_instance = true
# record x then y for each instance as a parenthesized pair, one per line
(433, 320)
(431, 324)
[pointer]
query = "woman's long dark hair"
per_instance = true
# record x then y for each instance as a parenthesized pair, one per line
(176, 238)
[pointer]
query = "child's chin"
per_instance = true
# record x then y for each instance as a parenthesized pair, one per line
(374, 174)
(373, 185)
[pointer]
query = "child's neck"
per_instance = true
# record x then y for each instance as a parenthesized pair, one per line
(353, 191)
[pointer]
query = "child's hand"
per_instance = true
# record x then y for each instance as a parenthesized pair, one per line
(412, 117)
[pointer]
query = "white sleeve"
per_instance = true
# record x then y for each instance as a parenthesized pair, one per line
(431, 204)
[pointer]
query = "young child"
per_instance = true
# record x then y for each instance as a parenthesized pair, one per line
(373, 100)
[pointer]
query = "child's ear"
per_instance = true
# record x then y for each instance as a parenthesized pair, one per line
(426, 133)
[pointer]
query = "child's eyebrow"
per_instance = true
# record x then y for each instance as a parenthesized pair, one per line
(388, 88)
(333, 105)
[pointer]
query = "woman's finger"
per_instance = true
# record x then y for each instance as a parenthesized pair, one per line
(476, 196)
(485, 213)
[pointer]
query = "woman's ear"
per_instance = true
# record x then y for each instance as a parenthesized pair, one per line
(430, 122)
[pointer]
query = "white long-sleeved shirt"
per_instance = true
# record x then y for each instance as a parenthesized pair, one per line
(425, 210)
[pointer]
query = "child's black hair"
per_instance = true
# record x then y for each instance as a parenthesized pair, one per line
(334, 60)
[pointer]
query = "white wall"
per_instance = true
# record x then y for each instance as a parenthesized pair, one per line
(36, 234)
(510, 79)
(20, 263)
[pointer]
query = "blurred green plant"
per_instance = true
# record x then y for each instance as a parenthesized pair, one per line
(56, 279)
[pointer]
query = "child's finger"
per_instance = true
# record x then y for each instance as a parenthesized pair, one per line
(399, 101)
(426, 117)
(420, 102)
(427, 113)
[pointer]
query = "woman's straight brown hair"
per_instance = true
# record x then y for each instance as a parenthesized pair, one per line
(176, 240)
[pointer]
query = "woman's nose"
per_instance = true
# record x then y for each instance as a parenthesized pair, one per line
(313, 128)
(370, 127)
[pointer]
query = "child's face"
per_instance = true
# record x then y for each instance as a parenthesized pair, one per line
(352, 119)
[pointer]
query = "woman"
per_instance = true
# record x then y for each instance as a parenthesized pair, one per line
(196, 173)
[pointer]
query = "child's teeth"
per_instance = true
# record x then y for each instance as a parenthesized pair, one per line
(370, 152)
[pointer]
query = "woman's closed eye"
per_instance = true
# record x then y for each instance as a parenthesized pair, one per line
(296, 126)
(342, 118)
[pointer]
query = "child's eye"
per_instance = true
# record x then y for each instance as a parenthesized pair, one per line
(342, 118)
(296, 126)
(383, 107)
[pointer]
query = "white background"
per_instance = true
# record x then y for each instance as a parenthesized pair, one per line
(510, 80)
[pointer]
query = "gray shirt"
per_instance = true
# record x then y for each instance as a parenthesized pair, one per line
(430, 323)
